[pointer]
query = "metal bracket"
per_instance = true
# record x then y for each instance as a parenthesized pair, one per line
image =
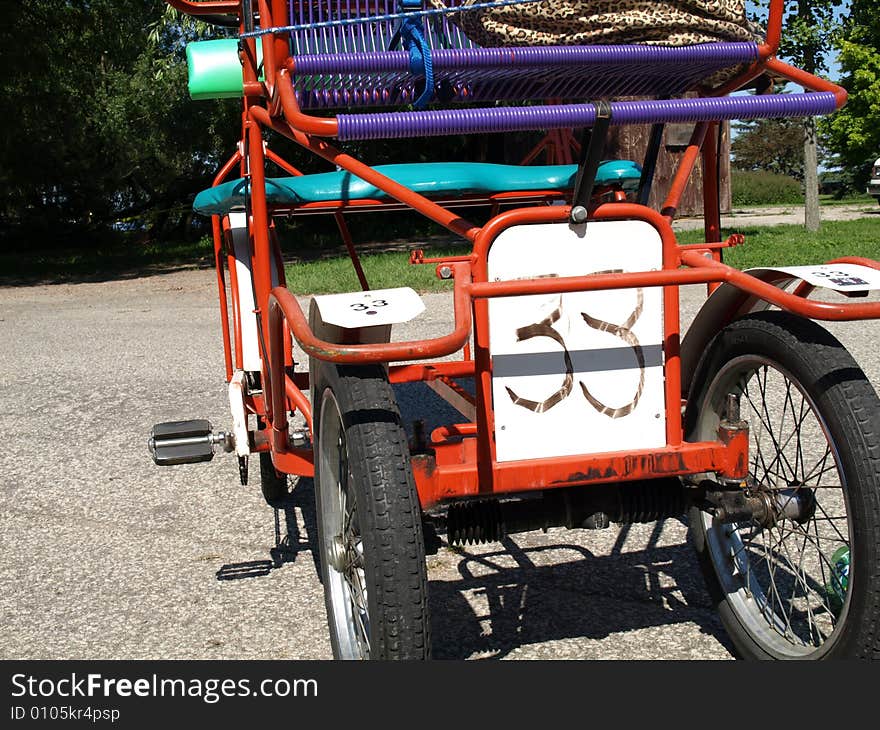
(592, 149)
(650, 163)
(248, 15)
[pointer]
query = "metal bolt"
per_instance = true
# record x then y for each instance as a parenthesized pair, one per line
(578, 214)
(445, 272)
(732, 407)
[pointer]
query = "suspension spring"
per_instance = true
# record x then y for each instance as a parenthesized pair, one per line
(490, 520)
(475, 522)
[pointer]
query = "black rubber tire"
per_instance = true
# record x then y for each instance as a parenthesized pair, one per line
(818, 366)
(389, 523)
(272, 484)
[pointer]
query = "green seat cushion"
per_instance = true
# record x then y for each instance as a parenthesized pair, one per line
(428, 178)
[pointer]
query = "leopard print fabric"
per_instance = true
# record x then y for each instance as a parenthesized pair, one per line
(588, 22)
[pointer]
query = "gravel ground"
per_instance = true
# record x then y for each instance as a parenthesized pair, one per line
(107, 556)
(774, 215)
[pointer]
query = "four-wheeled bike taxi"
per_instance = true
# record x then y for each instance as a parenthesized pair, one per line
(577, 402)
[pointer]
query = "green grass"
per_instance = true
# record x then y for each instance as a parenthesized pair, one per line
(332, 272)
(790, 245)
(785, 245)
(383, 271)
(99, 259)
(824, 201)
(759, 187)
(856, 199)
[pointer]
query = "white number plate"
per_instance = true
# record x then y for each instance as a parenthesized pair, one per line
(580, 373)
(370, 308)
(839, 277)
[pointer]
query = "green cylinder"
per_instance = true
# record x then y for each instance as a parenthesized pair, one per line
(214, 69)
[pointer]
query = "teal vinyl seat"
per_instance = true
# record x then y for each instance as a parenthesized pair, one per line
(432, 179)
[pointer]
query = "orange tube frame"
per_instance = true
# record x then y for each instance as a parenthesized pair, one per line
(280, 312)
(208, 7)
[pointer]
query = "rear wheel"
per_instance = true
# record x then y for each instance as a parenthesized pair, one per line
(806, 586)
(369, 519)
(272, 484)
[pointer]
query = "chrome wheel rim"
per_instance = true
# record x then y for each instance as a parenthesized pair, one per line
(342, 545)
(782, 581)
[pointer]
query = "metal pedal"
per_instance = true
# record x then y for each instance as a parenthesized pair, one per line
(186, 442)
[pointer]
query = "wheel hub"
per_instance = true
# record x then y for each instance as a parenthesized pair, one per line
(337, 554)
(798, 504)
(760, 505)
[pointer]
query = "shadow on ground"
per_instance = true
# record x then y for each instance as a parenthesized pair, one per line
(587, 596)
(517, 596)
(290, 540)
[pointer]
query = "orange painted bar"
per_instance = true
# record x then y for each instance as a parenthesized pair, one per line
(236, 303)
(807, 80)
(437, 483)
(267, 42)
(597, 282)
(299, 461)
(217, 233)
(774, 28)
(262, 250)
(417, 202)
(828, 311)
(211, 7)
(442, 433)
(299, 399)
(703, 270)
(282, 163)
(683, 171)
(418, 372)
(283, 306)
(320, 126)
(711, 211)
(352, 251)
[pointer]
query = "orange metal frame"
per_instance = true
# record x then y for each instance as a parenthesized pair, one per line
(463, 460)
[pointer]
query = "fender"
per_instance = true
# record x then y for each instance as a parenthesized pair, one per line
(728, 303)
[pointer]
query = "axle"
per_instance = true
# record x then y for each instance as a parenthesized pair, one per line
(489, 520)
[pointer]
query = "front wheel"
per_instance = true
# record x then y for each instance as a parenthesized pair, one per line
(369, 519)
(807, 586)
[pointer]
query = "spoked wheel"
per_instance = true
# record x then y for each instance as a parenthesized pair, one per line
(369, 519)
(806, 582)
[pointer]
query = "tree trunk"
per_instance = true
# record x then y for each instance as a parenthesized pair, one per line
(808, 12)
(811, 176)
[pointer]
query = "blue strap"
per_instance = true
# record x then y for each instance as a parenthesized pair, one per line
(420, 64)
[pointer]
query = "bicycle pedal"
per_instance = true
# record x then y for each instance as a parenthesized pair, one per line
(185, 442)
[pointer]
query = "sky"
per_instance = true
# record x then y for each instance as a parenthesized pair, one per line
(831, 60)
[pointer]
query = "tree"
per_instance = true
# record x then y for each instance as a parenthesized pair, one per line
(853, 133)
(775, 145)
(809, 29)
(103, 127)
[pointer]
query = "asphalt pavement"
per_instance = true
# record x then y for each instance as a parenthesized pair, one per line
(106, 556)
